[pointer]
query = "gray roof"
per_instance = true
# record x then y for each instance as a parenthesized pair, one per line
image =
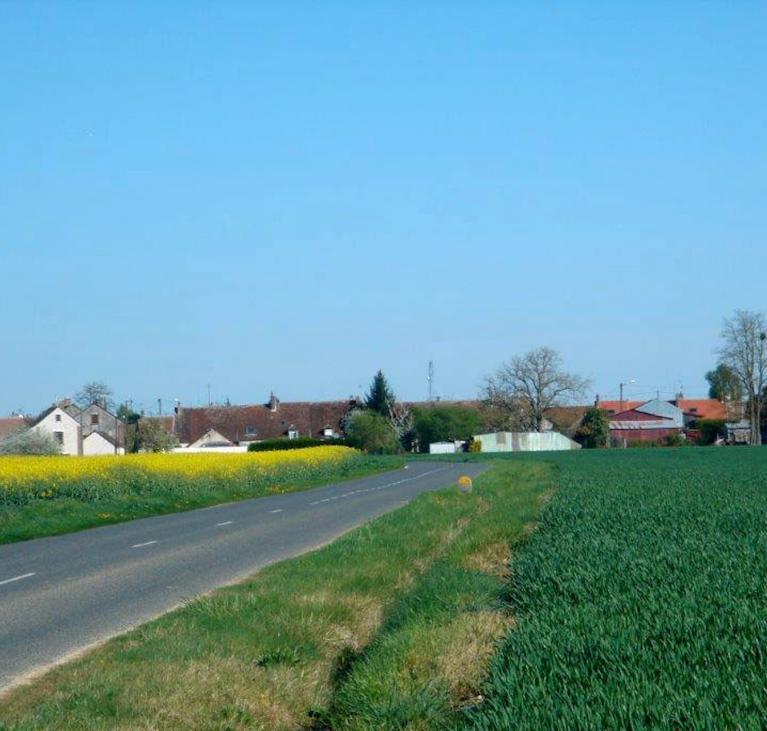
(665, 410)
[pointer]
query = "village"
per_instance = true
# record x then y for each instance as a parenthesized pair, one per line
(97, 429)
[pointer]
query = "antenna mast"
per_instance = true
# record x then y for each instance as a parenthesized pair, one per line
(430, 379)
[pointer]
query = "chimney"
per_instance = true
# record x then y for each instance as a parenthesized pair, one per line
(274, 402)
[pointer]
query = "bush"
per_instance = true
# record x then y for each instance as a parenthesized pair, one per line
(270, 445)
(444, 424)
(709, 430)
(594, 430)
(29, 442)
(474, 446)
(372, 432)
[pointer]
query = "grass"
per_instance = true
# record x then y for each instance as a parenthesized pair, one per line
(640, 602)
(392, 624)
(124, 488)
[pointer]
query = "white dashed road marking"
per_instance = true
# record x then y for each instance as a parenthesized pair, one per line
(226, 522)
(279, 510)
(141, 545)
(17, 578)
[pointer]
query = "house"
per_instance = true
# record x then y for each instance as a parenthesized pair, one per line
(63, 427)
(565, 419)
(501, 441)
(12, 424)
(704, 408)
(100, 443)
(241, 425)
(95, 418)
(652, 421)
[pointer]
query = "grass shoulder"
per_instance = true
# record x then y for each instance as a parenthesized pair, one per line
(394, 621)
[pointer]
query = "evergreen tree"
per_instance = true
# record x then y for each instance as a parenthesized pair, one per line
(594, 431)
(380, 398)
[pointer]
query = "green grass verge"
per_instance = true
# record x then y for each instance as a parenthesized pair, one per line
(641, 601)
(39, 517)
(394, 623)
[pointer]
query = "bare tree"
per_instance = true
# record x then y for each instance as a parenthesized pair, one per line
(744, 350)
(527, 385)
(95, 392)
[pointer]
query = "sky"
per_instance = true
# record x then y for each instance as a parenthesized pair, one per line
(288, 196)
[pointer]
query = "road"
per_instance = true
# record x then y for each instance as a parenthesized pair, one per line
(61, 595)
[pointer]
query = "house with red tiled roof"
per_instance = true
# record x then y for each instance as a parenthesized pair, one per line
(273, 420)
(702, 408)
(12, 424)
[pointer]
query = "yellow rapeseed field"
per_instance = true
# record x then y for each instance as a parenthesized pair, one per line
(89, 478)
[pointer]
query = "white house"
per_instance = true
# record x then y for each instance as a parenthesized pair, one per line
(98, 443)
(64, 429)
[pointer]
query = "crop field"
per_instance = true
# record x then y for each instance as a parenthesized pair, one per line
(48, 495)
(641, 601)
(93, 478)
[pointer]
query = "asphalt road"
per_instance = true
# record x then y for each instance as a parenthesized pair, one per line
(61, 595)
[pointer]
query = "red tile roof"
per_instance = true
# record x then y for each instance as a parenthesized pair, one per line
(12, 424)
(618, 405)
(257, 422)
(703, 408)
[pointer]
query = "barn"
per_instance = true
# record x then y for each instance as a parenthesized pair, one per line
(652, 421)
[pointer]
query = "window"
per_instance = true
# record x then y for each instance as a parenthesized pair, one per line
(250, 431)
(58, 417)
(59, 437)
(94, 419)
(694, 410)
(292, 433)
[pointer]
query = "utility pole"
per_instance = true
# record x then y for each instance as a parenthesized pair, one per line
(209, 401)
(430, 379)
(159, 407)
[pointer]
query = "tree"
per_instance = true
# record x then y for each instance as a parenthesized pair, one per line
(724, 384)
(744, 351)
(594, 431)
(94, 392)
(146, 434)
(443, 424)
(29, 441)
(527, 385)
(372, 432)
(380, 398)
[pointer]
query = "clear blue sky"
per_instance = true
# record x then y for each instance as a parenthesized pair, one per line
(289, 196)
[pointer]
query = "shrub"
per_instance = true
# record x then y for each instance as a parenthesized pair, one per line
(270, 445)
(29, 442)
(372, 432)
(709, 430)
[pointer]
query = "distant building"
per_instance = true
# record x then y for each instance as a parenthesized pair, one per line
(63, 428)
(446, 447)
(89, 431)
(12, 424)
(240, 425)
(652, 421)
(95, 418)
(502, 441)
(100, 443)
